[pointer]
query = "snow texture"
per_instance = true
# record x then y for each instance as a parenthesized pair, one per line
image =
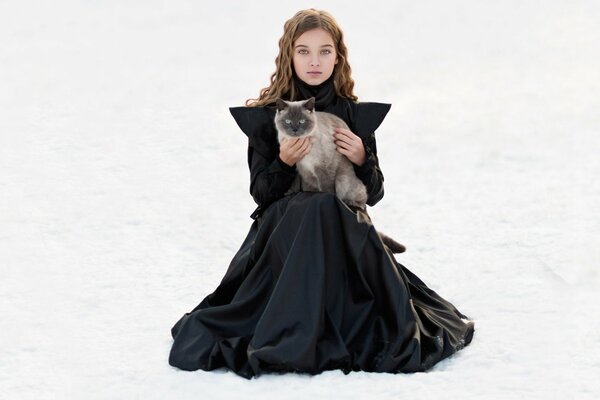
(124, 187)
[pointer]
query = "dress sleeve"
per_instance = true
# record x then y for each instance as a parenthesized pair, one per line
(367, 119)
(270, 177)
(370, 173)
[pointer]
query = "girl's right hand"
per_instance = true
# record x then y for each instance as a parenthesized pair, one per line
(293, 150)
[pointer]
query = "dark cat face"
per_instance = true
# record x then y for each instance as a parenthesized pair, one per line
(295, 118)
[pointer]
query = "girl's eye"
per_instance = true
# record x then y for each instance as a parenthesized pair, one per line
(305, 51)
(302, 121)
(288, 121)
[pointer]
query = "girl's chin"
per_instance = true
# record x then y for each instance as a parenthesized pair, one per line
(314, 79)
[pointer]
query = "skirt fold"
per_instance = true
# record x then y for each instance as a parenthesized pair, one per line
(313, 288)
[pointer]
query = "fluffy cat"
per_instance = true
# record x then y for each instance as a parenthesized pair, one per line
(323, 169)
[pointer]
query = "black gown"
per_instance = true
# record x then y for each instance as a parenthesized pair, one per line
(312, 287)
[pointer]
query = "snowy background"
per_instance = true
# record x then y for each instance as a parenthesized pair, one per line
(124, 187)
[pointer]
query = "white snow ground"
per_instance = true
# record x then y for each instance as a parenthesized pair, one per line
(124, 187)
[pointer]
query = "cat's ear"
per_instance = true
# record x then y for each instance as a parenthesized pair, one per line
(310, 104)
(281, 105)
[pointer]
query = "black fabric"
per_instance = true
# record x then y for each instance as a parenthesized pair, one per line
(313, 288)
(269, 181)
(324, 93)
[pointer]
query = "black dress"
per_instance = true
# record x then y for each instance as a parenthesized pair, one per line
(313, 287)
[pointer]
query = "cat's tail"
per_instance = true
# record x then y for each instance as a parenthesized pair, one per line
(363, 216)
(394, 246)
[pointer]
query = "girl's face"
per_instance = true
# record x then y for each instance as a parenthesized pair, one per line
(314, 56)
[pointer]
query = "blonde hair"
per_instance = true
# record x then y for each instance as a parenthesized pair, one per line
(282, 78)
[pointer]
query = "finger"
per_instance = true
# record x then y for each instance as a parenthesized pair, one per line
(287, 142)
(305, 142)
(307, 150)
(307, 146)
(343, 145)
(344, 142)
(343, 151)
(302, 145)
(347, 137)
(347, 151)
(340, 129)
(345, 132)
(297, 144)
(299, 149)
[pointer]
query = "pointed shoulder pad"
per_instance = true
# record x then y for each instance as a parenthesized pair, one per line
(369, 116)
(257, 123)
(249, 119)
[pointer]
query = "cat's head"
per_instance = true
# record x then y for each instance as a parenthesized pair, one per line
(295, 118)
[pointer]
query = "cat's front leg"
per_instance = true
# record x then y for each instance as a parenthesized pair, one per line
(311, 181)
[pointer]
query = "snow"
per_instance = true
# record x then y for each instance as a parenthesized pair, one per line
(124, 187)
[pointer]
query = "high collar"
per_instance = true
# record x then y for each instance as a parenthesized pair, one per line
(324, 93)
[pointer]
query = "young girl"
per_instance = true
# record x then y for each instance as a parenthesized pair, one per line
(313, 287)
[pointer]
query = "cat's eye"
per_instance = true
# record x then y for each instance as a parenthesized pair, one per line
(302, 121)
(288, 121)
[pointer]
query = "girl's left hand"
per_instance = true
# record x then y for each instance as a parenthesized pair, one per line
(350, 145)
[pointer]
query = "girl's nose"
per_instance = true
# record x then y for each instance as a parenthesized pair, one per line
(314, 62)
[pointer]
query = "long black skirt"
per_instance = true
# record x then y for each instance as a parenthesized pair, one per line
(313, 288)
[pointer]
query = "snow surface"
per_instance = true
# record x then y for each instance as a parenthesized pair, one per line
(124, 187)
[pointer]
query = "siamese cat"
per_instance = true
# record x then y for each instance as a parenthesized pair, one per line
(323, 169)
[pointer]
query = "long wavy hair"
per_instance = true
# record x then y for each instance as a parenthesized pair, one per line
(282, 79)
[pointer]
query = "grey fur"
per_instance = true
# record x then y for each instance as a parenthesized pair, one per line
(323, 169)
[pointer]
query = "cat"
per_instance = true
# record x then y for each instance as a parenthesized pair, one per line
(323, 169)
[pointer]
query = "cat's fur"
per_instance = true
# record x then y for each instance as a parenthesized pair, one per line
(323, 169)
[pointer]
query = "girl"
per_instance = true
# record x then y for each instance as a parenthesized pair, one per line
(313, 287)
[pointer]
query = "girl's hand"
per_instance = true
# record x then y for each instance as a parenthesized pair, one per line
(293, 150)
(350, 145)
